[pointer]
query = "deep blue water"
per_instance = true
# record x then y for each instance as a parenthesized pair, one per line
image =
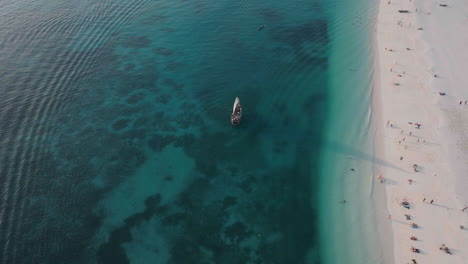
(116, 142)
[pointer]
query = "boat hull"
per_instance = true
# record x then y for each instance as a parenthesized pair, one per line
(236, 115)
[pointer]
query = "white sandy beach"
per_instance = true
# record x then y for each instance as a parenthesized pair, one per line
(419, 54)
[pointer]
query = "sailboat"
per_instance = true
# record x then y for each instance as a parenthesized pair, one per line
(236, 112)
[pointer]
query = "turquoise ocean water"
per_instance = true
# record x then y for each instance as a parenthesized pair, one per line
(116, 145)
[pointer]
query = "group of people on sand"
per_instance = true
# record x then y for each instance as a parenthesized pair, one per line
(445, 249)
(417, 250)
(416, 126)
(406, 204)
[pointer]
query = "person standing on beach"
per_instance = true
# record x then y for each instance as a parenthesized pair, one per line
(432, 201)
(463, 210)
(424, 200)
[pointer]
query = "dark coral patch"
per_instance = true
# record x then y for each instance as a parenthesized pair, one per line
(171, 83)
(174, 219)
(280, 108)
(187, 120)
(185, 251)
(237, 232)
(312, 102)
(169, 178)
(158, 143)
(163, 51)
(163, 99)
(120, 124)
(136, 42)
(184, 141)
(135, 134)
(229, 201)
(129, 66)
(248, 184)
(135, 98)
(172, 66)
(159, 115)
(141, 121)
(141, 79)
(129, 159)
(112, 251)
(280, 146)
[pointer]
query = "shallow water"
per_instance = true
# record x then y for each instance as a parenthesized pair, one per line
(349, 231)
(116, 141)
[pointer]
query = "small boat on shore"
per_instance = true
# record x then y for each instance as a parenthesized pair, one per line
(236, 112)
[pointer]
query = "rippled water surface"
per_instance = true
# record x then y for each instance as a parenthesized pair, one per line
(116, 145)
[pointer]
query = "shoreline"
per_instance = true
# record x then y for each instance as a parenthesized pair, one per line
(350, 230)
(380, 193)
(409, 75)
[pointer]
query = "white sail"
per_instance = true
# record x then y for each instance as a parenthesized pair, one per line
(236, 102)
